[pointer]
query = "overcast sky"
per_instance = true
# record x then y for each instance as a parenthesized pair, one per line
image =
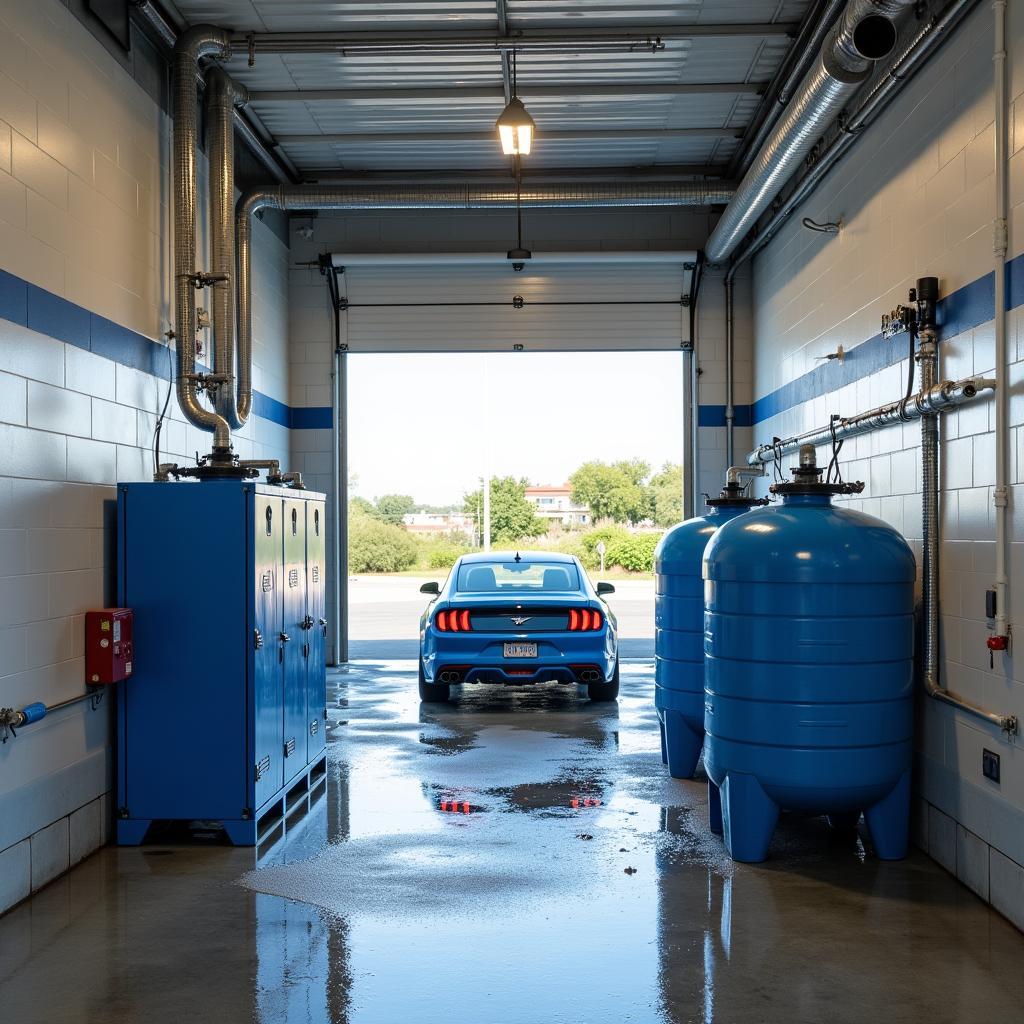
(548, 412)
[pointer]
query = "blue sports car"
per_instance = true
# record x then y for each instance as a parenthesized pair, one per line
(518, 618)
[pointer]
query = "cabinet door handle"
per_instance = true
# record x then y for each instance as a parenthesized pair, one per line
(284, 638)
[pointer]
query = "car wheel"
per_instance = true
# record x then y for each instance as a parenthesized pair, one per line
(433, 693)
(606, 691)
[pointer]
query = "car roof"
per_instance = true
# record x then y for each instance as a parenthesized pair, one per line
(524, 556)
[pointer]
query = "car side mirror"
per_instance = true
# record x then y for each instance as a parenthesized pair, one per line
(430, 588)
(605, 588)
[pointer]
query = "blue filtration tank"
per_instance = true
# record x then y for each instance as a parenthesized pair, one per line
(809, 657)
(679, 630)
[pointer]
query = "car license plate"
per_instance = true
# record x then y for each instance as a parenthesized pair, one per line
(520, 650)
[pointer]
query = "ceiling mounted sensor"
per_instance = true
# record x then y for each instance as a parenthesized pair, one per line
(515, 126)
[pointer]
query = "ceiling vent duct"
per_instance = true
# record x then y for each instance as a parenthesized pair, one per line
(865, 33)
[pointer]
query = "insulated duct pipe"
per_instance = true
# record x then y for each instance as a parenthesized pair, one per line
(804, 49)
(931, 399)
(450, 197)
(222, 96)
(912, 58)
(865, 33)
(197, 42)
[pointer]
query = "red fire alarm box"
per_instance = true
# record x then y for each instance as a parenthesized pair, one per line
(108, 645)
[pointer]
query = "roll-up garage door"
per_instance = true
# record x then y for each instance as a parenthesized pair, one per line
(546, 307)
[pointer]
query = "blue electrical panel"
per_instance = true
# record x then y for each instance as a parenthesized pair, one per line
(224, 717)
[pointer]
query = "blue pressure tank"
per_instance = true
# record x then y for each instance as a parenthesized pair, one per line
(679, 630)
(809, 657)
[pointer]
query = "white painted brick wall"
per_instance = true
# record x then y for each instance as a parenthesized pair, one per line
(84, 187)
(916, 198)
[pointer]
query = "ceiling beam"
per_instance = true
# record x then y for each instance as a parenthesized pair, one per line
(644, 37)
(648, 172)
(599, 134)
(530, 91)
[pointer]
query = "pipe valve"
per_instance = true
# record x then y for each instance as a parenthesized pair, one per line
(996, 642)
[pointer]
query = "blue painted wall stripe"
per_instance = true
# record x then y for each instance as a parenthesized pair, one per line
(39, 310)
(312, 418)
(966, 308)
(963, 310)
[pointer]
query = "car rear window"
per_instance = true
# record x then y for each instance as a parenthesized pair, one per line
(500, 577)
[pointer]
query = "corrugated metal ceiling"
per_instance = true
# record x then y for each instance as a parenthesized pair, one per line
(398, 96)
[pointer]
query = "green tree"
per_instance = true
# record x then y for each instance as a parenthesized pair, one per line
(512, 516)
(392, 508)
(636, 471)
(614, 492)
(666, 489)
(358, 506)
(374, 546)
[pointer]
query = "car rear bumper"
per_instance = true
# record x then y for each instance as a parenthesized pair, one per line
(479, 658)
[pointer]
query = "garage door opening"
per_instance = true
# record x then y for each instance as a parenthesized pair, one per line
(567, 381)
(584, 452)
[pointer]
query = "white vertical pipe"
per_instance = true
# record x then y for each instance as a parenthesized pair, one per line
(487, 458)
(341, 559)
(999, 250)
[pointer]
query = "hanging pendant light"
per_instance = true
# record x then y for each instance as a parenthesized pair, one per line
(515, 126)
(515, 129)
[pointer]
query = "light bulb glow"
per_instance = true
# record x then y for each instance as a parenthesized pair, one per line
(515, 129)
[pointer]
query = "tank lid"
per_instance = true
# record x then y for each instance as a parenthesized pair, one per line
(732, 496)
(807, 478)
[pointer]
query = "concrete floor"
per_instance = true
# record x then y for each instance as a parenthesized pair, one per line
(520, 907)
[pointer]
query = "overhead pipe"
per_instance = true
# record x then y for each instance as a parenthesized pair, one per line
(548, 90)
(194, 44)
(643, 37)
(864, 34)
(222, 96)
(451, 197)
(934, 398)
(804, 49)
(406, 137)
(913, 56)
(274, 161)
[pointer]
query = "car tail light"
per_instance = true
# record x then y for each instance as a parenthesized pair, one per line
(585, 620)
(453, 621)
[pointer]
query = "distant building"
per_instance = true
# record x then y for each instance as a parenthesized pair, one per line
(426, 523)
(556, 503)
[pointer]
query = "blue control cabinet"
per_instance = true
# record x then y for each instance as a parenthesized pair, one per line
(224, 717)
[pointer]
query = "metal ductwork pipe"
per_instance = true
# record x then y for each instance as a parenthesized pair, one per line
(197, 42)
(222, 96)
(446, 197)
(865, 33)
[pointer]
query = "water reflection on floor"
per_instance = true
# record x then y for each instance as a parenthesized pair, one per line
(515, 857)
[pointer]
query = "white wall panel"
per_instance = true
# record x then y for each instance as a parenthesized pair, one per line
(83, 215)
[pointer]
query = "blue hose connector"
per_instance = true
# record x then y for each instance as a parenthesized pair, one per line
(33, 712)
